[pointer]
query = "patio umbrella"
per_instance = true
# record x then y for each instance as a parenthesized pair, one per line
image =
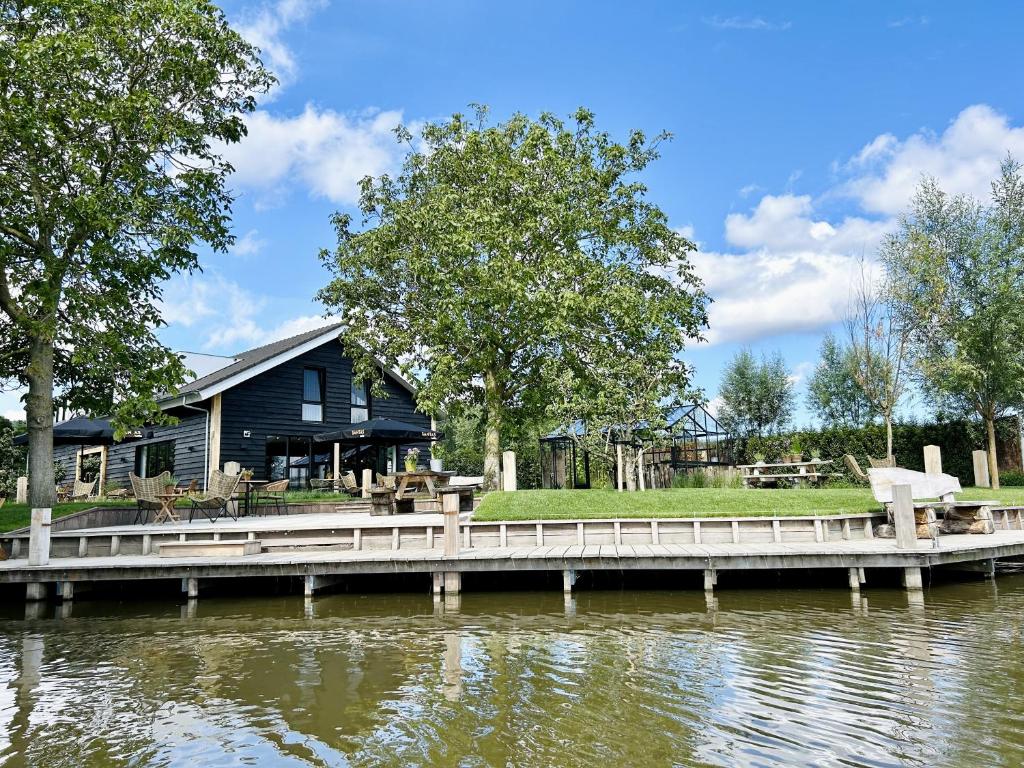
(80, 430)
(379, 432)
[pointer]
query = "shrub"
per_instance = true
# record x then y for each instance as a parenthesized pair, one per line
(1011, 477)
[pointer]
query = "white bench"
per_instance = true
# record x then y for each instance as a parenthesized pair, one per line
(209, 548)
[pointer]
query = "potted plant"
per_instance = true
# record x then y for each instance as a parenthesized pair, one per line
(245, 474)
(815, 454)
(758, 461)
(436, 463)
(411, 459)
(171, 484)
(796, 452)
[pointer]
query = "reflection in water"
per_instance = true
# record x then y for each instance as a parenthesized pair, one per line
(638, 678)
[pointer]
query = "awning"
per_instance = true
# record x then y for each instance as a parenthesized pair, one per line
(381, 432)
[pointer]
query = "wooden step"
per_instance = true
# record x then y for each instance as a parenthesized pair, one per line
(321, 542)
(209, 548)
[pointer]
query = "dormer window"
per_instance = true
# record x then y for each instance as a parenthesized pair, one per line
(313, 387)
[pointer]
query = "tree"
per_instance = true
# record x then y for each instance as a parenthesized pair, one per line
(832, 390)
(757, 397)
(956, 267)
(109, 118)
(504, 256)
(878, 338)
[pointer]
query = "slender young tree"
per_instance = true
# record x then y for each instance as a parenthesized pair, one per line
(956, 267)
(109, 117)
(757, 397)
(832, 390)
(504, 255)
(878, 336)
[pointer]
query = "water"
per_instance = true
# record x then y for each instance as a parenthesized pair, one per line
(789, 677)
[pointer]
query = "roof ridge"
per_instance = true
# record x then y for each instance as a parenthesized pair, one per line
(304, 334)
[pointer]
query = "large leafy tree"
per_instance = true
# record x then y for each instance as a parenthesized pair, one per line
(956, 267)
(832, 390)
(110, 115)
(757, 396)
(504, 258)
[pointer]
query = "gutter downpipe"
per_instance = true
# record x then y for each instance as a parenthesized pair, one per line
(206, 438)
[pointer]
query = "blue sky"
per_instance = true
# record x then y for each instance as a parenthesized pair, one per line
(800, 130)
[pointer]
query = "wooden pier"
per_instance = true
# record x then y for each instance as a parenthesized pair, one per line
(321, 549)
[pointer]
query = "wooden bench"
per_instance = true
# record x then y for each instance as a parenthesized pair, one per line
(209, 548)
(465, 492)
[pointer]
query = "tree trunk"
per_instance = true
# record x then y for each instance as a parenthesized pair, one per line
(492, 436)
(39, 412)
(888, 436)
(993, 462)
(630, 468)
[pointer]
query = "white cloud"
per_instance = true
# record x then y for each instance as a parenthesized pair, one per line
(328, 151)
(249, 244)
(964, 158)
(793, 265)
(266, 27)
(746, 22)
(800, 372)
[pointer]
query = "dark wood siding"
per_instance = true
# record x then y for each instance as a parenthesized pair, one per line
(271, 404)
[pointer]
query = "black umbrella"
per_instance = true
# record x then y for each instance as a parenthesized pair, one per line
(379, 431)
(80, 430)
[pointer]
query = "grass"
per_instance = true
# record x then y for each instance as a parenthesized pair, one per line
(697, 502)
(19, 515)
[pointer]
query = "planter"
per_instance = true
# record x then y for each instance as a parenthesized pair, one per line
(436, 465)
(410, 466)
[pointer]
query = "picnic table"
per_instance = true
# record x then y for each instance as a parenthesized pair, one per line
(421, 477)
(795, 473)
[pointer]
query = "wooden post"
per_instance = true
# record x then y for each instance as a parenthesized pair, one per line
(39, 536)
(450, 510)
(232, 468)
(508, 471)
(854, 574)
(710, 579)
(337, 467)
(21, 496)
(981, 479)
(903, 517)
(214, 437)
(620, 481)
(568, 580)
(912, 580)
(367, 482)
(103, 469)
(640, 469)
(35, 591)
(932, 460)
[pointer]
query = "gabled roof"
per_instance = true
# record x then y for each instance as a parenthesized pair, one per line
(252, 362)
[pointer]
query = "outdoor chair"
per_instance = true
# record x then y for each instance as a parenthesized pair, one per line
(886, 463)
(389, 481)
(217, 499)
(321, 484)
(272, 495)
(349, 484)
(854, 467)
(81, 490)
(146, 490)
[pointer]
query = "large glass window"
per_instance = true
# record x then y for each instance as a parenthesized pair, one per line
(360, 402)
(154, 458)
(313, 394)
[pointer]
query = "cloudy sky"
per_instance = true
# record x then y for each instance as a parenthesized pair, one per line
(800, 132)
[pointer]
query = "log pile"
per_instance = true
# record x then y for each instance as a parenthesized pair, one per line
(964, 517)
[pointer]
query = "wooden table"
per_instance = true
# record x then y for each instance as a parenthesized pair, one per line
(167, 501)
(249, 486)
(798, 472)
(421, 476)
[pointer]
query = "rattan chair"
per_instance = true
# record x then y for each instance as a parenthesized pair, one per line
(81, 490)
(146, 490)
(854, 466)
(349, 484)
(886, 463)
(216, 501)
(388, 481)
(272, 495)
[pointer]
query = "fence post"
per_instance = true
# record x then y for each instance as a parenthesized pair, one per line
(367, 482)
(450, 510)
(508, 471)
(932, 460)
(22, 493)
(232, 468)
(620, 481)
(981, 479)
(39, 536)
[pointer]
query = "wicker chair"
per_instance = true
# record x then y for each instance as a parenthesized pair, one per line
(321, 484)
(81, 490)
(389, 481)
(215, 502)
(854, 467)
(885, 463)
(272, 494)
(145, 490)
(349, 484)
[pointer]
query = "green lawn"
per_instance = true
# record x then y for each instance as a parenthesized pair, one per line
(696, 502)
(19, 515)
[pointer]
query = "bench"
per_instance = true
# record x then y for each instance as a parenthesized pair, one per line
(209, 548)
(465, 493)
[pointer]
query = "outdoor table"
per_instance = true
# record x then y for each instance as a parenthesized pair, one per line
(250, 486)
(167, 501)
(426, 477)
(796, 472)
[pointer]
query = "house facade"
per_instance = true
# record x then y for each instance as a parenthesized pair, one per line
(262, 408)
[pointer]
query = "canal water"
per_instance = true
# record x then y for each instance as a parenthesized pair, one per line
(608, 678)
